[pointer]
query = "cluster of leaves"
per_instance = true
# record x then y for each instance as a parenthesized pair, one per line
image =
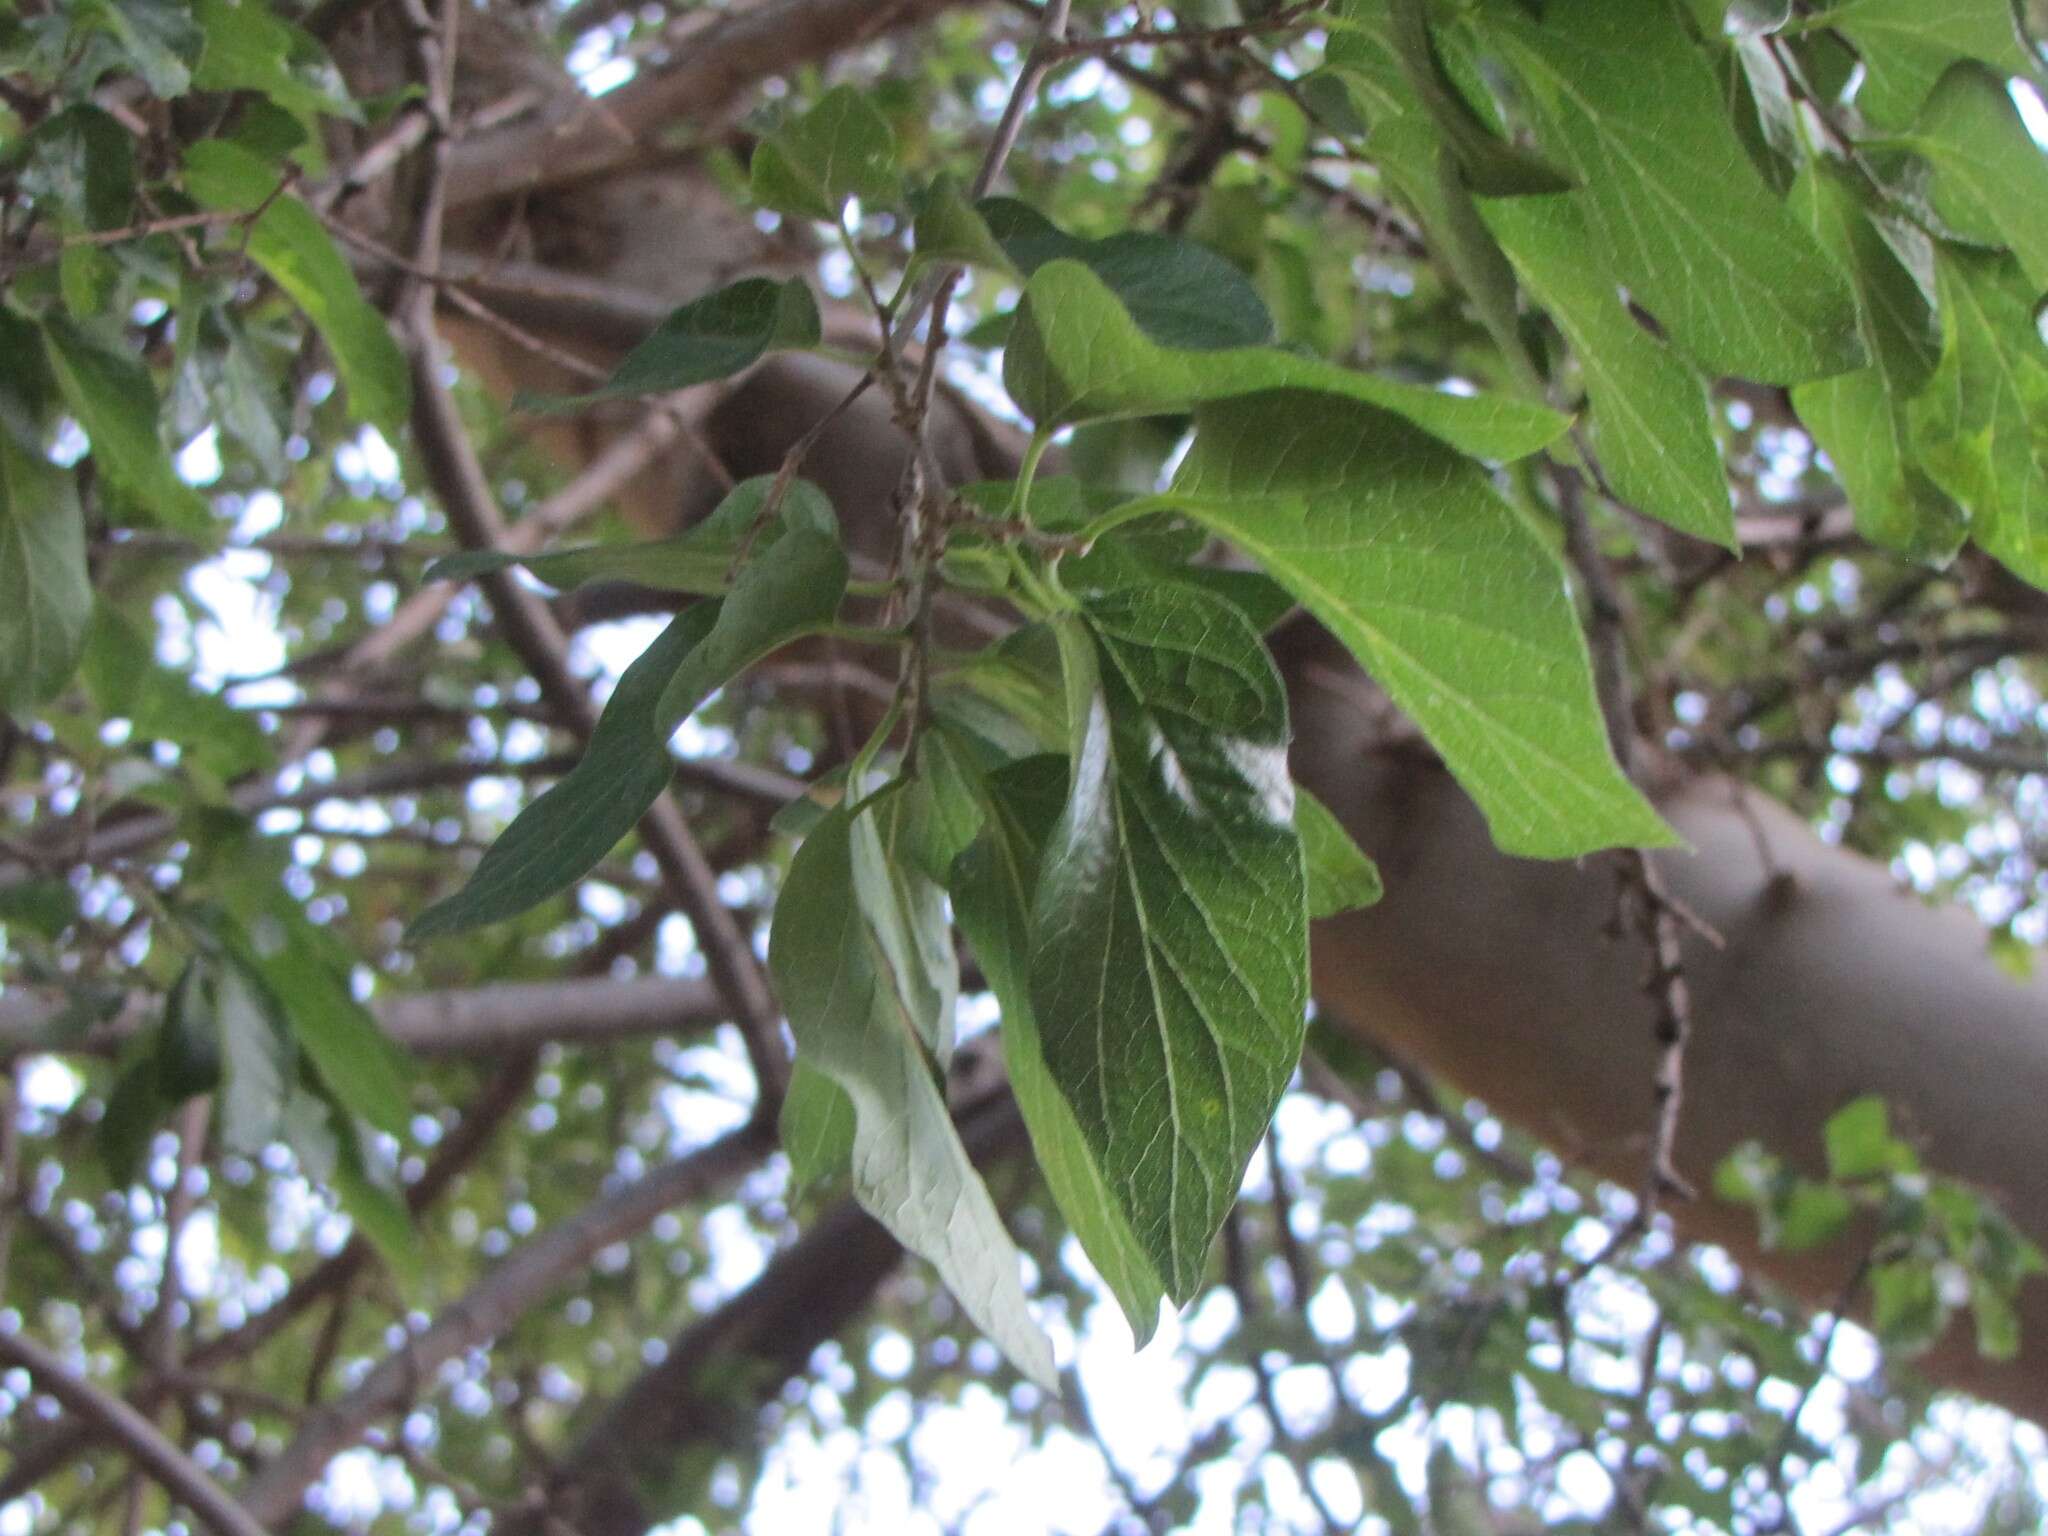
(1634, 199)
(1934, 1244)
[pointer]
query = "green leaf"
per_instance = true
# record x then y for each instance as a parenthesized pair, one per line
(560, 837)
(1990, 177)
(1650, 426)
(45, 591)
(158, 41)
(1170, 954)
(79, 167)
(1178, 293)
(114, 401)
(121, 671)
(380, 1214)
(785, 592)
(710, 338)
(839, 150)
(1861, 420)
(1812, 1216)
(698, 561)
(1340, 876)
(948, 228)
(1906, 1306)
(1907, 45)
(1859, 1141)
(816, 1125)
(361, 1065)
(835, 952)
(289, 244)
(256, 1062)
(249, 49)
(1673, 200)
(991, 884)
(1076, 355)
(1978, 425)
(1440, 588)
(1487, 164)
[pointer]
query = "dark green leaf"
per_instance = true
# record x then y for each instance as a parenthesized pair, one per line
(1449, 598)
(712, 338)
(289, 244)
(1340, 876)
(699, 561)
(1179, 293)
(157, 40)
(1076, 355)
(948, 228)
(560, 837)
(45, 592)
(839, 150)
(784, 593)
(1487, 164)
(836, 950)
(114, 401)
(257, 1067)
(1673, 200)
(992, 885)
(1170, 924)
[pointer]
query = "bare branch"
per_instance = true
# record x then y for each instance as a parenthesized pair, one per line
(142, 1440)
(522, 1281)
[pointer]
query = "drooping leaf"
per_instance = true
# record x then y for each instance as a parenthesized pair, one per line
(1340, 876)
(1076, 355)
(357, 1062)
(256, 1061)
(1990, 177)
(840, 149)
(711, 338)
(1673, 200)
(1170, 924)
(830, 952)
(560, 837)
(1649, 423)
(1861, 419)
(1907, 45)
(699, 561)
(1450, 600)
(1979, 423)
(1178, 293)
(287, 242)
(45, 591)
(111, 395)
(991, 885)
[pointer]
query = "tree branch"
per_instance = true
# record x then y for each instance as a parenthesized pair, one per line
(180, 1476)
(498, 1300)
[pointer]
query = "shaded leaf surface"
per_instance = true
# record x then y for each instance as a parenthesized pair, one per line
(1169, 962)
(45, 592)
